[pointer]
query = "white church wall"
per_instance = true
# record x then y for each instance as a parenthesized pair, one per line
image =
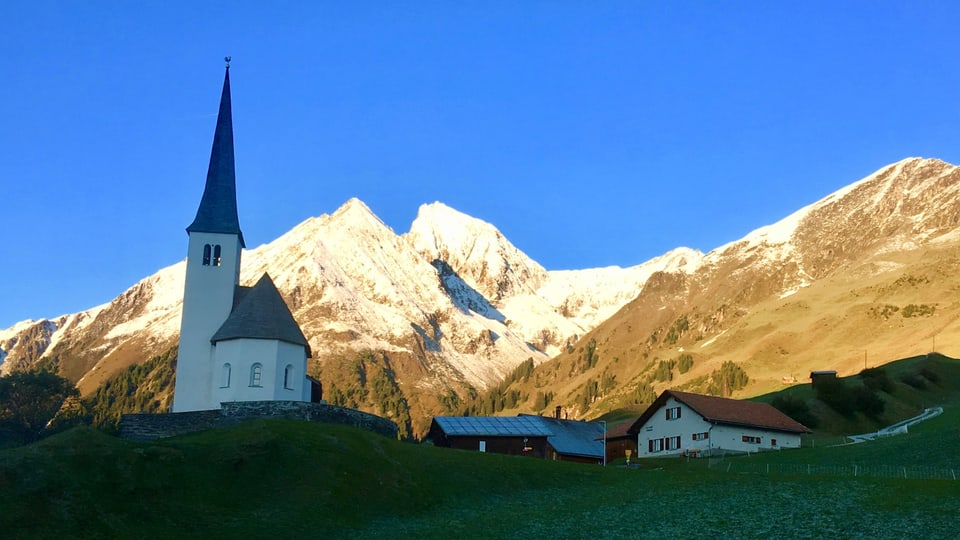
(208, 300)
(272, 356)
(292, 387)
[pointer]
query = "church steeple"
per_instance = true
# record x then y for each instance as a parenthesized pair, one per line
(218, 207)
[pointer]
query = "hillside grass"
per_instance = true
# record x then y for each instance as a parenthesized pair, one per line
(268, 478)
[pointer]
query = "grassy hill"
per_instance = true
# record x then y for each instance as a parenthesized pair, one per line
(266, 478)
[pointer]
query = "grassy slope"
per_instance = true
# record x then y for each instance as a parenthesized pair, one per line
(904, 401)
(325, 481)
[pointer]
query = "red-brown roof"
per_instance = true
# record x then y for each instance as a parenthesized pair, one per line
(718, 410)
(619, 431)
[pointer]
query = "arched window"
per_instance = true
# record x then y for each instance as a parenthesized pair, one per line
(256, 373)
(206, 254)
(288, 377)
(216, 255)
(225, 376)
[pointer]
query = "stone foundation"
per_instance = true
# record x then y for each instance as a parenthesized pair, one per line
(147, 427)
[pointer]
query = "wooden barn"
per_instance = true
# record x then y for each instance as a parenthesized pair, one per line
(524, 435)
(620, 439)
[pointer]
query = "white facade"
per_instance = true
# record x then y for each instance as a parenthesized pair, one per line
(208, 296)
(675, 428)
(260, 370)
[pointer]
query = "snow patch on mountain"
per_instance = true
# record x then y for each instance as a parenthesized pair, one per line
(588, 297)
(159, 316)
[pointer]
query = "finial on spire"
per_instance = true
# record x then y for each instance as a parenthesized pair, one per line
(227, 60)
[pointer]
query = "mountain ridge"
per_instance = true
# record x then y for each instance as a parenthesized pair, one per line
(451, 307)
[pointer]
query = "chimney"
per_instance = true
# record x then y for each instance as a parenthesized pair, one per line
(557, 413)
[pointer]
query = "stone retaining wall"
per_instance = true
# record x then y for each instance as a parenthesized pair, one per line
(147, 427)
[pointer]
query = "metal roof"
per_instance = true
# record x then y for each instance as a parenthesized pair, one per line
(492, 426)
(574, 437)
(570, 437)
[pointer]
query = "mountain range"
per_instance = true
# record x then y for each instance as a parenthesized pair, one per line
(449, 309)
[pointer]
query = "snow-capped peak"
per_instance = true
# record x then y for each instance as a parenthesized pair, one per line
(475, 250)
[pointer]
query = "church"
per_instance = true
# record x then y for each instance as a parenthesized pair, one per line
(237, 343)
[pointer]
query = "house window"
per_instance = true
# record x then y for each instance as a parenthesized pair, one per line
(701, 436)
(288, 377)
(773, 442)
(256, 373)
(216, 255)
(751, 439)
(671, 443)
(206, 254)
(673, 413)
(483, 446)
(666, 443)
(225, 376)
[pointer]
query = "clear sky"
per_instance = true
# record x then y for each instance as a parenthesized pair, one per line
(589, 133)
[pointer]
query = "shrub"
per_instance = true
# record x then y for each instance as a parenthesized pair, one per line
(914, 379)
(797, 409)
(868, 402)
(834, 393)
(877, 379)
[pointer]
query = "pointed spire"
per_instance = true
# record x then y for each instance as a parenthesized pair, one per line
(218, 207)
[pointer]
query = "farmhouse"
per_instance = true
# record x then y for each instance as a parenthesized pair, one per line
(683, 423)
(524, 435)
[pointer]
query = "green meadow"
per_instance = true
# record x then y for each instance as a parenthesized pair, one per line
(271, 477)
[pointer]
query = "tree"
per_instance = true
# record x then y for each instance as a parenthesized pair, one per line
(28, 403)
(685, 363)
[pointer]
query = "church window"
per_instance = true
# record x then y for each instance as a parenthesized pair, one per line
(256, 374)
(288, 377)
(225, 376)
(206, 254)
(216, 255)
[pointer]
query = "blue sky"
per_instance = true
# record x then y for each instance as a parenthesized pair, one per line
(589, 133)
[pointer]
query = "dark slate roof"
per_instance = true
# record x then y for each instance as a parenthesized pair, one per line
(718, 410)
(492, 426)
(574, 437)
(261, 313)
(218, 206)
